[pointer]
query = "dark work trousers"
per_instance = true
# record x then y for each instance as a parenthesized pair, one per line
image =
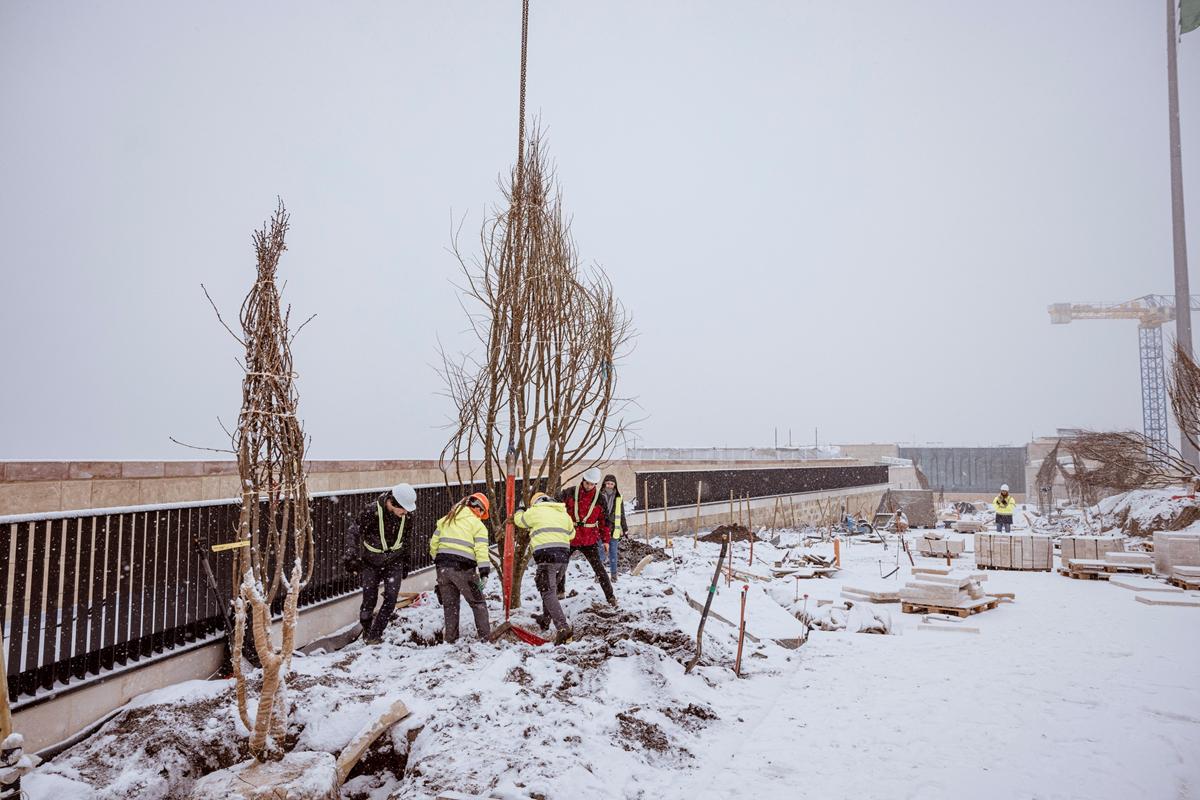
(1004, 523)
(456, 582)
(592, 553)
(546, 580)
(390, 573)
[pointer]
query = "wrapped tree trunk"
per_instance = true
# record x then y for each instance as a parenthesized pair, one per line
(275, 517)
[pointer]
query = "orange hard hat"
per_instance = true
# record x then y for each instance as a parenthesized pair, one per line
(479, 504)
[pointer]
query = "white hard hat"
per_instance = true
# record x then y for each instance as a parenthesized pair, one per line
(593, 475)
(1004, 487)
(405, 496)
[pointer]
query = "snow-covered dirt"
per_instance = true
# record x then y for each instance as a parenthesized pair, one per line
(1073, 690)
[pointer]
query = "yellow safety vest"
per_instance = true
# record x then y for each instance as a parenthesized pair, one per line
(582, 516)
(383, 545)
(1003, 507)
(464, 535)
(617, 508)
(549, 525)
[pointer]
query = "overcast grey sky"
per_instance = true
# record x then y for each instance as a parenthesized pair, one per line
(849, 216)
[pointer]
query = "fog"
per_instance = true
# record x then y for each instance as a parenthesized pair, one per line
(845, 220)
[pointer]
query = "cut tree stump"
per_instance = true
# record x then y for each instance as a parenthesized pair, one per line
(305, 775)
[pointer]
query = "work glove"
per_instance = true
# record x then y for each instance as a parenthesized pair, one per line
(484, 571)
(353, 564)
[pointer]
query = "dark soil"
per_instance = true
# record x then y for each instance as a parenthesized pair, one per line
(693, 717)
(738, 533)
(636, 731)
(631, 552)
(177, 736)
(382, 760)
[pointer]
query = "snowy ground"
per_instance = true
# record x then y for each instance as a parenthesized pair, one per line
(1073, 690)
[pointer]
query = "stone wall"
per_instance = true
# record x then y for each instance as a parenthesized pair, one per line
(28, 487)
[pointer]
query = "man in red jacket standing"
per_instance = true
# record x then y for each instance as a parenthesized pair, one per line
(591, 527)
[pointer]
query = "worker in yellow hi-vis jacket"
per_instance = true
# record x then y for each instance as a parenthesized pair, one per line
(1004, 504)
(550, 530)
(460, 553)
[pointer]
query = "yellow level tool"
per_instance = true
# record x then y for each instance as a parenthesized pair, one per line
(216, 548)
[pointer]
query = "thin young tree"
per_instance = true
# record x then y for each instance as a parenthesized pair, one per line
(275, 520)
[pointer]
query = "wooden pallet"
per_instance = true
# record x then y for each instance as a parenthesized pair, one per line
(1190, 584)
(974, 607)
(1013, 569)
(1086, 575)
(1137, 569)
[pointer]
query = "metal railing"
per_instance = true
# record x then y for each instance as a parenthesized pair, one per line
(715, 485)
(89, 592)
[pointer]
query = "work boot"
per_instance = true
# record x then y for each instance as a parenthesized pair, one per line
(612, 601)
(372, 640)
(564, 635)
(543, 620)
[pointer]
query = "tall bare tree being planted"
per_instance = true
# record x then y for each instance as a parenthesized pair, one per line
(275, 519)
(552, 334)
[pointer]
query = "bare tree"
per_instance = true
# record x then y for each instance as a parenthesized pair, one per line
(1105, 463)
(1184, 388)
(552, 334)
(1109, 462)
(275, 519)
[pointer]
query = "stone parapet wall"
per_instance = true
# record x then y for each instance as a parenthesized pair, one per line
(28, 487)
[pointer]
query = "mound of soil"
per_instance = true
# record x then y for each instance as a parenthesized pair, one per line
(605, 630)
(631, 551)
(739, 533)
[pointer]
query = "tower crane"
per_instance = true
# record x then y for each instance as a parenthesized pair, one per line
(1151, 312)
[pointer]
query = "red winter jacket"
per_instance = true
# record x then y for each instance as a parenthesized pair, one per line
(592, 527)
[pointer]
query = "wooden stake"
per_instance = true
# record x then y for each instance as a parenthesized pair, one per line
(5, 709)
(666, 526)
(737, 665)
(696, 538)
(729, 573)
(774, 517)
(837, 550)
(731, 506)
(646, 510)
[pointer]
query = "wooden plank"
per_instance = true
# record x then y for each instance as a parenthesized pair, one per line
(641, 565)
(354, 750)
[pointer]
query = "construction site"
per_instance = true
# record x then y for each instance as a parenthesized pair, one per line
(521, 539)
